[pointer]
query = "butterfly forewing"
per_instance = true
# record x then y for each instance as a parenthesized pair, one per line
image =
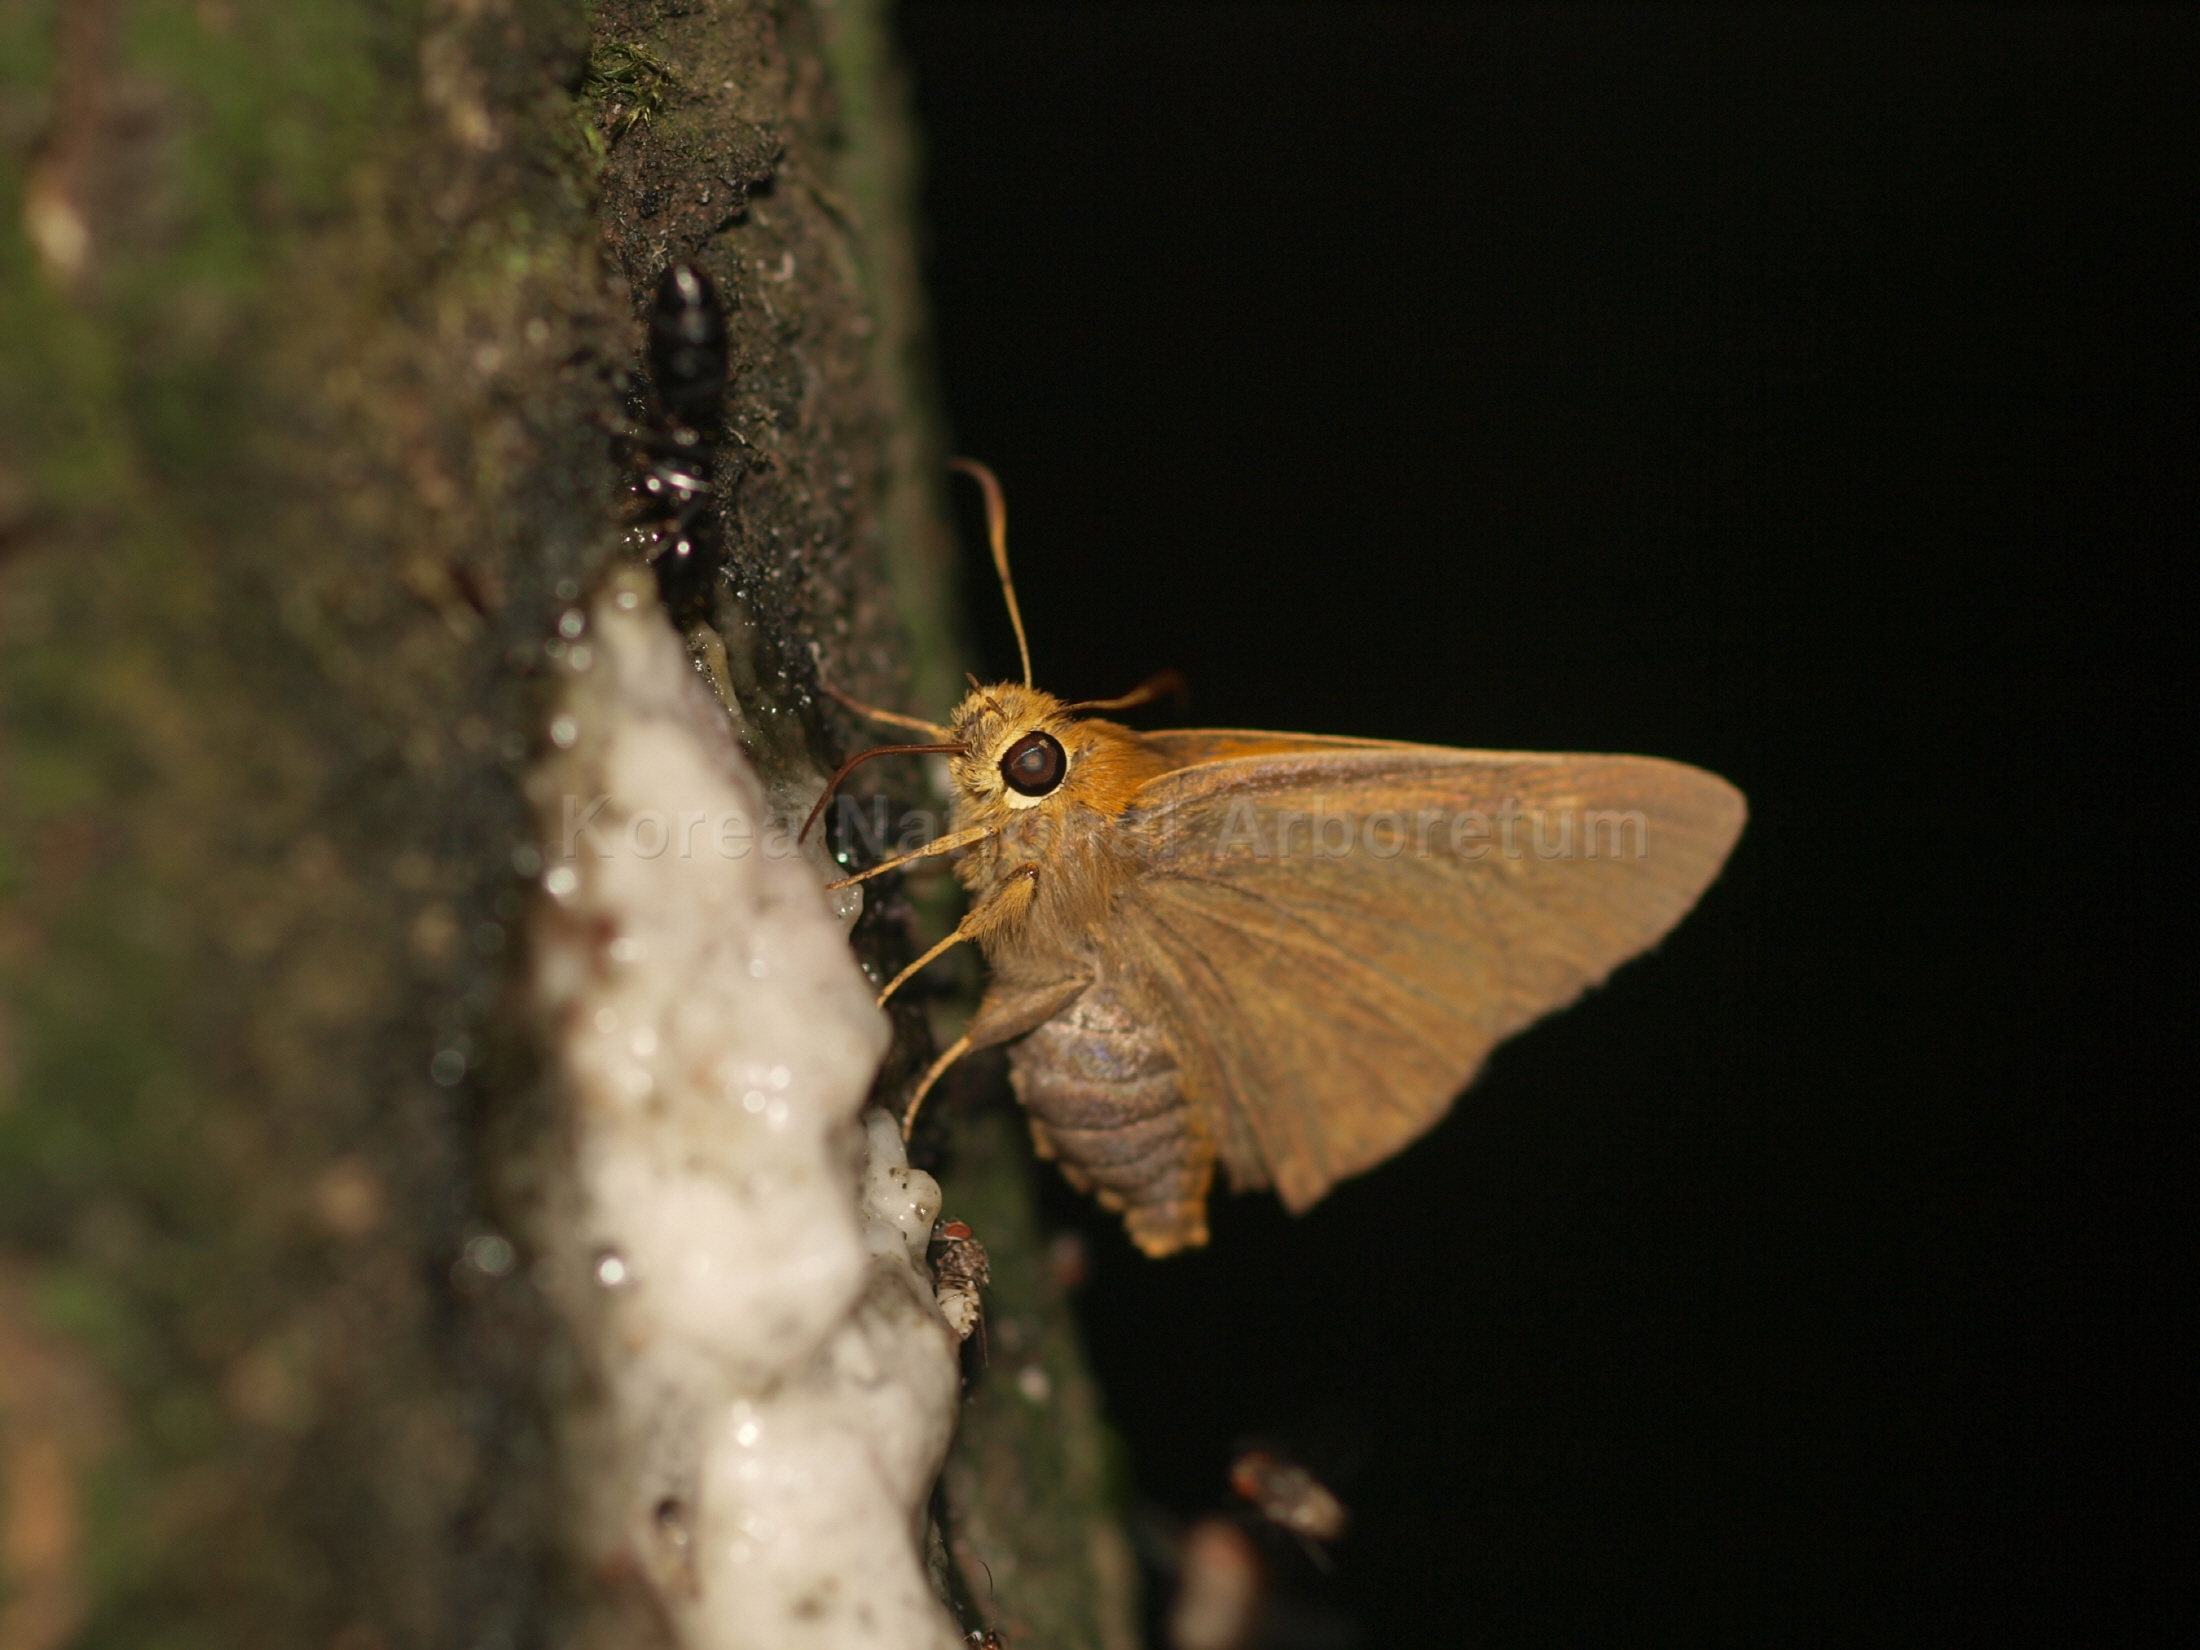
(1337, 932)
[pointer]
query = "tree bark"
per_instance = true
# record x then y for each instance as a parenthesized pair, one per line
(313, 328)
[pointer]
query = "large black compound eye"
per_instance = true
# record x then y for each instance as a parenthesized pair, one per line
(1034, 765)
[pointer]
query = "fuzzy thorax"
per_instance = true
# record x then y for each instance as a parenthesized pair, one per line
(1071, 833)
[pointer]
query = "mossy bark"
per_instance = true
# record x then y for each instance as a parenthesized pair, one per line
(312, 323)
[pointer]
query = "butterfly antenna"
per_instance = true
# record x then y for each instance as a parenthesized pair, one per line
(1162, 684)
(996, 532)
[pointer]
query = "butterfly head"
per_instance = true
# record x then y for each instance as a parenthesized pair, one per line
(1022, 745)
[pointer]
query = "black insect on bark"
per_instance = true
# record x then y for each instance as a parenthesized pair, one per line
(675, 455)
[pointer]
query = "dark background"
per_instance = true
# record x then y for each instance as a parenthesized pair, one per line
(1804, 394)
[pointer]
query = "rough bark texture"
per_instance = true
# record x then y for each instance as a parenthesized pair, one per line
(312, 322)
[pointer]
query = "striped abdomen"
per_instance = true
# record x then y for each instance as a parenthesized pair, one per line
(1103, 1096)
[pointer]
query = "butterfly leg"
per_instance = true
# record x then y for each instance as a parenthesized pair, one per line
(942, 845)
(1006, 904)
(955, 1051)
(892, 718)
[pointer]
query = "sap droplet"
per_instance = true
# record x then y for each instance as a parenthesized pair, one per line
(672, 1521)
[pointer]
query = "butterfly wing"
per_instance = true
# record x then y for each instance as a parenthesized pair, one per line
(1337, 932)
